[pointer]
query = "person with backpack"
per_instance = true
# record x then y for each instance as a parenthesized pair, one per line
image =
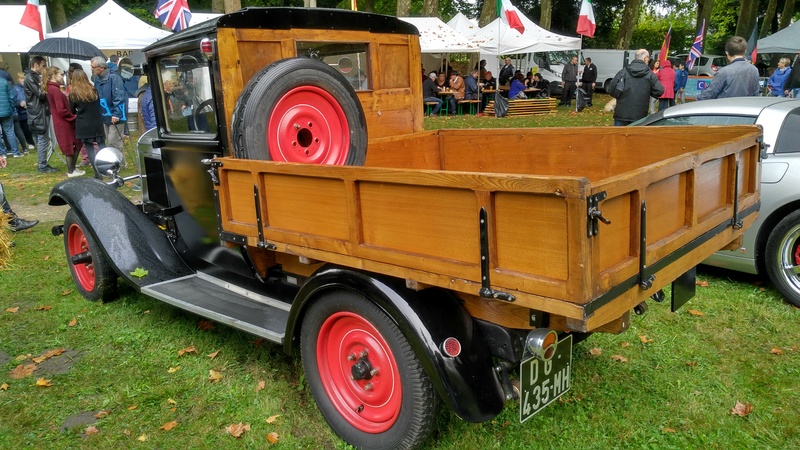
(633, 87)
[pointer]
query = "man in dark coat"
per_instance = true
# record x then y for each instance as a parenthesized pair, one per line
(632, 87)
(588, 80)
(38, 111)
(569, 81)
(506, 73)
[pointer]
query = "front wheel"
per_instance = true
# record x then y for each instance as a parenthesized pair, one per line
(363, 374)
(94, 277)
(782, 257)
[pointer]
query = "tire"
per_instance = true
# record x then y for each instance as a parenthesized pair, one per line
(782, 257)
(394, 409)
(94, 277)
(300, 110)
(605, 85)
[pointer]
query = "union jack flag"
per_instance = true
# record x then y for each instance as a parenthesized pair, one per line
(697, 47)
(174, 14)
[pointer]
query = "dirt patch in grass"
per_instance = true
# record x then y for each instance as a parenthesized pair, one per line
(80, 420)
(4, 358)
(58, 365)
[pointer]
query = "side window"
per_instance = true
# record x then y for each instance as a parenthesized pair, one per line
(789, 136)
(707, 120)
(350, 59)
(188, 96)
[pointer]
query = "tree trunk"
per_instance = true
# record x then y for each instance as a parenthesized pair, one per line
(629, 18)
(403, 7)
(704, 9)
(769, 16)
(786, 15)
(232, 5)
(430, 8)
(747, 18)
(546, 18)
(488, 13)
(217, 6)
(58, 17)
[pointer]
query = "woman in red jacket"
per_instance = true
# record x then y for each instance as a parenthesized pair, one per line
(63, 118)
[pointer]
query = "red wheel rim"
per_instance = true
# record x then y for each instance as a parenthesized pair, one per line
(77, 244)
(371, 405)
(308, 126)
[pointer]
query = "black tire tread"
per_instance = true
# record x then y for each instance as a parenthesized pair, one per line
(774, 272)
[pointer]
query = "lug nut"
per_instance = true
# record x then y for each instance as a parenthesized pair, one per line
(368, 387)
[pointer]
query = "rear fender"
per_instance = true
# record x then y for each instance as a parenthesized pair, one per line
(125, 234)
(467, 383)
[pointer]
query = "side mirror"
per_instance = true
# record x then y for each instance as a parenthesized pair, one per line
(108, 162)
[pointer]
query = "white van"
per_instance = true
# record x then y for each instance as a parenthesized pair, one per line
(608, 63)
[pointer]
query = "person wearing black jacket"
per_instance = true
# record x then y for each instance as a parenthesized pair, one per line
(430, 93)
(506, 73)
(633, 87)
(588, 80)
(569, 81)
(793, 83)
(38, 111)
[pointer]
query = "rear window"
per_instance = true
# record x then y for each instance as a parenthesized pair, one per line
(706, 120)
(789, 136)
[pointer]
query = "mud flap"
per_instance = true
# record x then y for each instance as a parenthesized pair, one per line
(683, 288)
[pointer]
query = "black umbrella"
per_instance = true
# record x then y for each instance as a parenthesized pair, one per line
(65, 47)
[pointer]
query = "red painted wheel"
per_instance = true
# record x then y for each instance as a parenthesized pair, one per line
(94, 277)
(367, 381)
(359, 373)
(299, 110)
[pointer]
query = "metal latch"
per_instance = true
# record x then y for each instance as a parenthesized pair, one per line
(214, 170)
(594, 214)
(762, 147)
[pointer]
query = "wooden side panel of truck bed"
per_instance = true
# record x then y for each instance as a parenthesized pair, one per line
(414, 211)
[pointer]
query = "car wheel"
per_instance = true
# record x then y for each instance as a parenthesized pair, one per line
(367, 381)
(300, 110)
(94, 277)
(782, 257)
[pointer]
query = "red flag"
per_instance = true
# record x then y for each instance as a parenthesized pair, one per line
(662, 56)
(586, 23)
(31, 17)
(510, 15)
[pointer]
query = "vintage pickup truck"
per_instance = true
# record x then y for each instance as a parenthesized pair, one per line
(290, 190)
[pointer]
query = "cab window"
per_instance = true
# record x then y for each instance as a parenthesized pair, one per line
(789, 136)
(187, 96)
(349, 58)
(706, 120)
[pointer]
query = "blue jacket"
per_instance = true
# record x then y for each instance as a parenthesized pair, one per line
(515, 89)
(471, 90)
(8, 100)
(112, 96)
(148, 110)
(19, 92)
(737, 79)
(681, 77)
(778, 80)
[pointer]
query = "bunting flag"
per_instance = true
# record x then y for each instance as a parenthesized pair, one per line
(31, 17)
(510, 15)
(697, 47)
(662, 56)
(174, 14)
(752, 45)
(586, 23)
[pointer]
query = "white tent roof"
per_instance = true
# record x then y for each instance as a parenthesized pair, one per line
(16, 38)
(499, 39)
(784, 41)
(202, 17)
(111, 27)
(464, 25)
(436, 37)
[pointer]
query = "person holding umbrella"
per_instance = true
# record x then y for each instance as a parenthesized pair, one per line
(38, 111)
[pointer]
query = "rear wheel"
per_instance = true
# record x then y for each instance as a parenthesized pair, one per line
(782, 257)
(363, 374)
(94, 277)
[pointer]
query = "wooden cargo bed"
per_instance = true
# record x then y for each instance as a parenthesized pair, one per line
(509, 211)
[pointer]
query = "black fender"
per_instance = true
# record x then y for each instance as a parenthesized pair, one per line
(467, 383)
(125, 234)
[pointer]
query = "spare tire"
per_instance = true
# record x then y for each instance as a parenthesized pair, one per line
(299, 110)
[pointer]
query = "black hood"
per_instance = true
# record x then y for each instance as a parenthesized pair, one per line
(637, 68)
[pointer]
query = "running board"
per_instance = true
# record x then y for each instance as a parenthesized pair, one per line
(223, 302)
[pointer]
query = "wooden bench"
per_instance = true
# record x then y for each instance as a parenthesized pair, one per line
(472, 104)
(429, 107)
(527, 107)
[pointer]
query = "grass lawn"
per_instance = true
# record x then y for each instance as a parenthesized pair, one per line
(137, 373)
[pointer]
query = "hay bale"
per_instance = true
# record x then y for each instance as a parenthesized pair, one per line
(5, 241)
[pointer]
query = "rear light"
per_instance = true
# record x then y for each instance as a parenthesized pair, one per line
(451, 347)
(209, 48)
(542, 343)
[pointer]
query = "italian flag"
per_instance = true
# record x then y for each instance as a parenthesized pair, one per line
(31, 17)
(586, 23)
(510, 15)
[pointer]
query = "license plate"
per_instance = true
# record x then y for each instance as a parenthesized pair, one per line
(542, 382)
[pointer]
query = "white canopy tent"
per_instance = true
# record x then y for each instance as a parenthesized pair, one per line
(16, 38)
(498, 38)
(784, 41)
(464, 25)
(438, 38)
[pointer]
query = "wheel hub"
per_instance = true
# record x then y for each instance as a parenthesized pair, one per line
(362, 369)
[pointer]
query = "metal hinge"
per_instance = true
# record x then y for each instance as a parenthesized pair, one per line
(486, 289)
(736, 221)
(594, 214)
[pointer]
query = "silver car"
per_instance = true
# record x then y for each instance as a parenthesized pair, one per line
(772, 245)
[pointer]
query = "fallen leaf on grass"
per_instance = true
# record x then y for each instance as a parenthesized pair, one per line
(597, 351)
(90, 430)
(171, 401)
(695, 312)
(142, 438)
(169, 425)
(668, 430)
(272, 438)
(645, 339)
(189, 349)
(13, 310)
(73, 322)
(102, 413)
(46, 257)
(213, 354)
(742, 409)
(214, 376)
(258, 342)
(261, 385)
(272, 419)
(44, 308)
(48, 354)
(22, 357)
(41, 382)
(205, 325)
(132, 407)
(22, 371)
(66, 292)
(702, 283)
(625, 344)
(619, 358)
(139, 272)
(4, 387)
(691, 363)
(776, 351)
(173, 369)
(236, 430)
